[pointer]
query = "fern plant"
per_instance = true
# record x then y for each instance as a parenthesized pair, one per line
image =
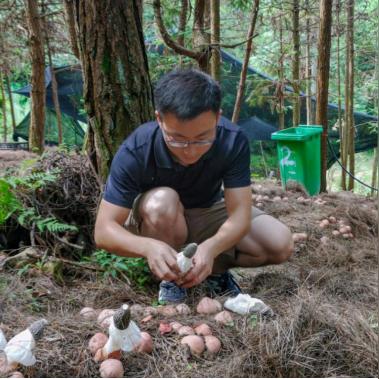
(135, 269)
(8, 202)
(28, 217)
(34, 180)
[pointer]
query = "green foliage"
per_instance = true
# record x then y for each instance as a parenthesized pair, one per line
(8, 202)
(134, 269)
(28, 216)
(34, 180)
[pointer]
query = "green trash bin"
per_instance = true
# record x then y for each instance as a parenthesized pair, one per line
(299, 156)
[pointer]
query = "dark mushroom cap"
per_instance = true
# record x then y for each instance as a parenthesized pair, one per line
(190, 250)
(121, 318)
(37, 328)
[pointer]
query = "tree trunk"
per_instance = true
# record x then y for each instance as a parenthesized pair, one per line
(9, 90)
(4, 106)
(280, 86)
(70, 21)
(349, 90)
(117, 89)
(54, 90)
(323, 65)
(295, 63)
(374, 180)
(182, 22)
(245, 65)
(341, 126)
(200, 38)
(182, 27)
(215, 40)
(308, 66)
(38, 91)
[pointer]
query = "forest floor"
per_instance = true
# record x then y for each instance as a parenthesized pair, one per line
(324, 297)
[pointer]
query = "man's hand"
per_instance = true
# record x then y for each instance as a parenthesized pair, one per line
(203, 264)
(162, 260)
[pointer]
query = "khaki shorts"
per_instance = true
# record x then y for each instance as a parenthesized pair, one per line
(202, 223)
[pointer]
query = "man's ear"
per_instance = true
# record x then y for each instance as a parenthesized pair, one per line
(158, 117)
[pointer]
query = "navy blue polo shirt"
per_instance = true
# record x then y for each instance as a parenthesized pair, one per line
(143, 162)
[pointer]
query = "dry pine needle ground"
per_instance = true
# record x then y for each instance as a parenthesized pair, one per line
(324, 297)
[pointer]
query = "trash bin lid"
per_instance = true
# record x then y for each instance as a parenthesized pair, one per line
(300, 133)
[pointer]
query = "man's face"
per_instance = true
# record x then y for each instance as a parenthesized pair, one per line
(188, 140)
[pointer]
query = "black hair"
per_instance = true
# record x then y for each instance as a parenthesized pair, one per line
(187, 93)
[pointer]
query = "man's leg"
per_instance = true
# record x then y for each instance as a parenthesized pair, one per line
(268, 242)
(160, 214)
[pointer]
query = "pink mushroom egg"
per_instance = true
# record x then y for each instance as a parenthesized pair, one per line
(195, 343)
(208, 306)
(146, 345)
(105, 317)
(186, 331)
(183, 309)
(167, 310)
(212, 344)
(203, 330)
(111, 368)
(96, 342)
(175, 326)
(224, 317)
(165, 328)
(88, 313)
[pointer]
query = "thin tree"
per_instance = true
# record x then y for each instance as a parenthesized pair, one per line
(38, 91)
(323, 66)
(54, 85)
(117, 89)
(374, 178)
(4, 106)
(280, 85)
(296, 63)
(70, 22)
(215, 40)
(341, 125)
(182, 27)
(245, 65)
(308, 64)
(349, 91)
(10, 97)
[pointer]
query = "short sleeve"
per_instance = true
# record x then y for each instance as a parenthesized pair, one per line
(237, 173)
(123, 183)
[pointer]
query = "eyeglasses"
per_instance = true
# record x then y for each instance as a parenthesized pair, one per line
(183, 144)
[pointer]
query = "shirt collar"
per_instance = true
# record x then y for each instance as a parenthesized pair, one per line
(164, 158)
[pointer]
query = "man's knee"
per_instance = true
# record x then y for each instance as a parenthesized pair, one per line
(161, 206)
(162, 216)
(281, 247)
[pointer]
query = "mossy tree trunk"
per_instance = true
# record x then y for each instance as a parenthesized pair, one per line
(117, 89)
(38, 91)
(4, 106)
(9, 90)
(215, 39)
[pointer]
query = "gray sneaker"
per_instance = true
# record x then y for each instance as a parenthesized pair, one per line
(169, 292)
